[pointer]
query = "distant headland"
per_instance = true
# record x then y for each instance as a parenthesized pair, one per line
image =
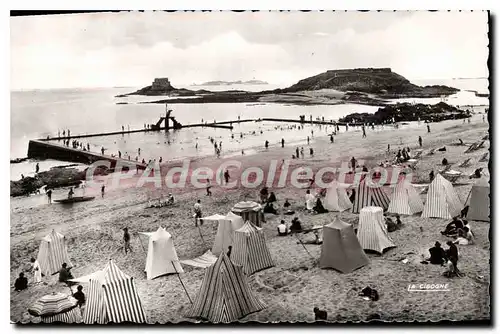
(372, 86)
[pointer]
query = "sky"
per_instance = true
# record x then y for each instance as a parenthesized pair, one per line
(132, 48)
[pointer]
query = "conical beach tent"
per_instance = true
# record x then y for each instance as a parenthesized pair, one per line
(225, 232)
(162, 256)
(479, 205)
(405, 199)
(225, 295)
(442, 200)
(53, 253)
(111, 297)
(250, 250)
(368, 195)
(372, 232)
(341, 249)
(249, 210)
(336, 198)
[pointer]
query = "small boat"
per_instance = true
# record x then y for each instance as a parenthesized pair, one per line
(74, 199)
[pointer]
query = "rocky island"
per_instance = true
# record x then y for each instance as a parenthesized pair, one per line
(373, 86)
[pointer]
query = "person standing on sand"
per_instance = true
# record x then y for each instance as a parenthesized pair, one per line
(266, 144)
(103, 188)
(364, 131)
(311, 152)
(307, 140)
(37, 273)
(331, 139)
(297, 152)
(388, 148)
(197, 212)
(102, 150)
(420, 141)
(126, 240)
(428, 128)
(282, 142)
(209, 193)
(302, 152)
(49, 196)
(37, 168)
(226, 176)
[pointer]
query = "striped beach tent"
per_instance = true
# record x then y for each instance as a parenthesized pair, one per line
(368, 195)
(56, 307)
(251, 211)
(479, 205)
(225, 232)
(336, 198)
(112, 297)
(162, 256)
(372, 232)
(341, 249)
(53, 253)
(225, 295)
(442, 200)
(250, 250)
(405, 199)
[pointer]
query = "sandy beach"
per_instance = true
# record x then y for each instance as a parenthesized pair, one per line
(94, 233)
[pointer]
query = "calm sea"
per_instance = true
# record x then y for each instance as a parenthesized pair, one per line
(38, 113)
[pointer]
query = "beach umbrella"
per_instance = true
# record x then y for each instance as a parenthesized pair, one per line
(56, 307)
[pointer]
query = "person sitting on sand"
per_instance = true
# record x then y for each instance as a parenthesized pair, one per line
(438, 256)
(79, 296)
(287, 204)
(21, 283)
(282, 229)
(464, 212)
(264, 193)
(65, 273)
(170, 199)
(453, 227)
(272, 198)
(431, 176)
(464, 237)
(399, 223)
(391, 226)
(229, 250)
(476, 174)
(444, 162)
(309, 200)
(70, 193)
(269, 208)
(319, 208)
(296, 226)
(461, 141)
(442, 149)
(320, 314)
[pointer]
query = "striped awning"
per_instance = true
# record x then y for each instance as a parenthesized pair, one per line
(246, 206)
(73, 316)
(52, 304)
(203, 261)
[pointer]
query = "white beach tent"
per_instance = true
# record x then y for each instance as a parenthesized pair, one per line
(442, 200)
(225, 230)
(405, 200)
(162, 256)
(111, 297)
(479, 205)
(336, 198)
(372, 232)
(53, 253)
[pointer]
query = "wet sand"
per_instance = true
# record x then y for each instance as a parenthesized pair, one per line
(93, 230)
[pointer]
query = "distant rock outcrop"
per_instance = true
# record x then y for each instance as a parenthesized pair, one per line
(229, 83)
(407, 112)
